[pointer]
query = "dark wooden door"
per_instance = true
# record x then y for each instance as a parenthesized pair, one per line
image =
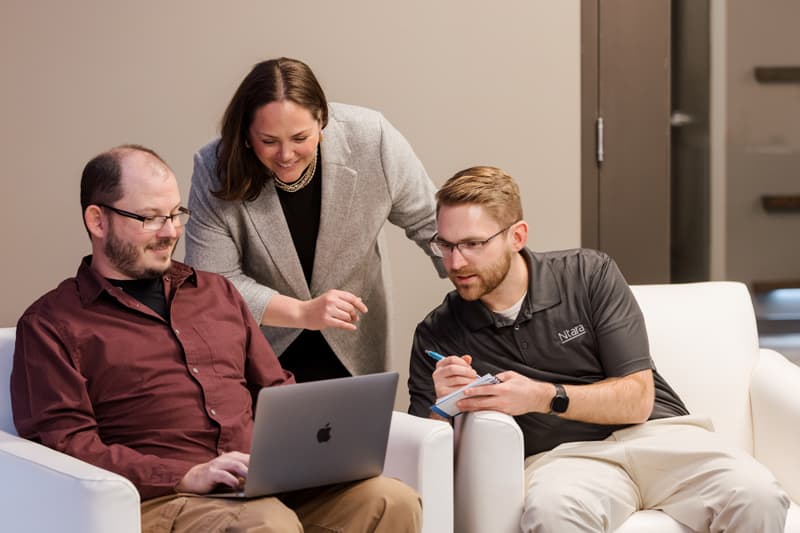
(626, 134)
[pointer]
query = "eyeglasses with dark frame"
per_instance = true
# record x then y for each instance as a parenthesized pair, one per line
(155, 222)
(443, 248)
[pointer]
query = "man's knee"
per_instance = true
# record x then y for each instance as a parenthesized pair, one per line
(266, 515)
(547, 511)
(753, 499)
(396, 504)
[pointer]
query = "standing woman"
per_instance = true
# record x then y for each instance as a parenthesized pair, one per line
(289, 204)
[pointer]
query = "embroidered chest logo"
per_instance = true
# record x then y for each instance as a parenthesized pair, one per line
(571, 333)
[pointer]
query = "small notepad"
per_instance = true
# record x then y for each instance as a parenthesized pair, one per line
(446, 405)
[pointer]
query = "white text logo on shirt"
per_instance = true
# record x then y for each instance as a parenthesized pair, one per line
(571, 333)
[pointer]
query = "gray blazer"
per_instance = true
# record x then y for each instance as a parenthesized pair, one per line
(370, 175)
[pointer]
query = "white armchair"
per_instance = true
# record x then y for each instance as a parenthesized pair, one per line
(46, 491)
(420, 453)
(704, 342)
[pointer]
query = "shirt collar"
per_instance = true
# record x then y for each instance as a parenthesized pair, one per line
(543, 293)
(91, 284)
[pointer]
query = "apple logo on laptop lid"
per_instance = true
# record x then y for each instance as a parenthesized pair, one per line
(324, 433)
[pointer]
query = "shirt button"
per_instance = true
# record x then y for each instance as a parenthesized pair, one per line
(195, 370)
(214, 412)
(516, 327)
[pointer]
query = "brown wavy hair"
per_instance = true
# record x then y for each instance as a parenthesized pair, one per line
(243, 175)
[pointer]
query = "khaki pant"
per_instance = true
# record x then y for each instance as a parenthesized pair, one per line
(677, 465)
(380, 505)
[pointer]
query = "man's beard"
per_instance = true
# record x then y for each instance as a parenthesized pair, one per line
(124, 257)
(489, 278)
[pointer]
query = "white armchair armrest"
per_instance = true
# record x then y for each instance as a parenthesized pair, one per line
(420, 453)
(489, 473)
(775, 403)
(44, 490)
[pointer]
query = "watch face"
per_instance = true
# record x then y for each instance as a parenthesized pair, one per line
(559, 404)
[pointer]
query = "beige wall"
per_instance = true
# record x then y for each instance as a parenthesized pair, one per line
(467, 82)
(717, 137)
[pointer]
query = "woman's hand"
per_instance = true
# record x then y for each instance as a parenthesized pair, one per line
(332, 309)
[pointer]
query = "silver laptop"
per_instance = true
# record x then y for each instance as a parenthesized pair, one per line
(318, 433)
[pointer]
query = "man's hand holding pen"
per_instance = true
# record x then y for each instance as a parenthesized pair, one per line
(451, 373)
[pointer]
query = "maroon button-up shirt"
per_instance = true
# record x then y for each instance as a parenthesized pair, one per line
(100, 376)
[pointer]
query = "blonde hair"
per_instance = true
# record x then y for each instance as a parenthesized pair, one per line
(486, 186)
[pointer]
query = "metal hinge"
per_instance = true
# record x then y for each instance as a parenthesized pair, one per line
(600, 146)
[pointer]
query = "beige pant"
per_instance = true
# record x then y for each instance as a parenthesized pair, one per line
(677, 465)
(380, 505)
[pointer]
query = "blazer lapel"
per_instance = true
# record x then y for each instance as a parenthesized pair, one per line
(266, 214)
(338, 186)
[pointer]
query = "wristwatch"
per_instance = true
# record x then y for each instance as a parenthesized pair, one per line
(560, 401)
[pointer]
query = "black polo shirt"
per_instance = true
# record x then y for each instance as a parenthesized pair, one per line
(579, 324)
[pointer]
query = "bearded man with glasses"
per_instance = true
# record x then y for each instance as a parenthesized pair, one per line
(146, 367)
(565, 337)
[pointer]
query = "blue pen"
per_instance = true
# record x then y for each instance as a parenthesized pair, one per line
(434, 355)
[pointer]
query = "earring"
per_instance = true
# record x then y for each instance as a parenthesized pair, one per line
(247, 144)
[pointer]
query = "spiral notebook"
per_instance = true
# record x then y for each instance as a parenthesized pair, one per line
(446, 405)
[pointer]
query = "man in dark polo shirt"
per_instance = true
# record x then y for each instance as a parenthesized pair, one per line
(148, 368)
(605, 435)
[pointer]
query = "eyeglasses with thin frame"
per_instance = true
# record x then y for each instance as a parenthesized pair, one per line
(443, 248)
(154, 222)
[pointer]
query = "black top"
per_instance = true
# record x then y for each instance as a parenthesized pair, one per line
(301, 210)
(148, 291)
(579, 324)
(309, 357)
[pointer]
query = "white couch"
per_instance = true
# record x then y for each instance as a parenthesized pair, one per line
(704, 342)
(46, 491)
